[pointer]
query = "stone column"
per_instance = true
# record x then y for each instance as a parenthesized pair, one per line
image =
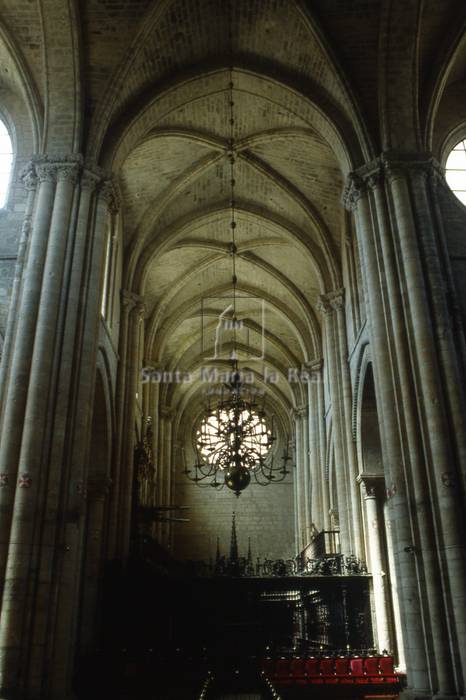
(302, 474)
(338, 303)
(30, 181)
(306, 476)
(166, 416)
(162, 466)
(428, 314)
(132, 372)
(370, 486)
(398, 634)
(16, 389)
(26, 501)
(128, 303)
(332, 357)
(49, 391)
(399, 325)
(315, 470)
(69, 462)
(295, 493)
(323, 446)
(387, 394)
(94, 555)
(154, 408)
(299, 479)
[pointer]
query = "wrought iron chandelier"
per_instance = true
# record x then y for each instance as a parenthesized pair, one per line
(234, 440)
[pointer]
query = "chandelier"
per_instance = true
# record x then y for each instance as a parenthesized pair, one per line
(234, 440)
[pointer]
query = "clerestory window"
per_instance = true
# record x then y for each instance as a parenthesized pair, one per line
(455, 171)
(6, 162)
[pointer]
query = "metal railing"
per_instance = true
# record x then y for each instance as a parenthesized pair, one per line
(207, 687)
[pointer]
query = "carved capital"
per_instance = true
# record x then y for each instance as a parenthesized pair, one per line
(354, 190)
(128, 299)
(108, 193)
(67, 172)
(28, 176)
(331, 301)
(46, 172)
(167, 412)
(337, 299)
(132, 301)
(59, 169)
(300, 412)
(323, 305)
(90, 180)
(437, 176)
(26, 228)
(140, 309)
(401, 165)
(314, 367)
(372, 485)
(334, 518)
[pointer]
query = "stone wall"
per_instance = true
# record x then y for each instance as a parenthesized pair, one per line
(263, 513)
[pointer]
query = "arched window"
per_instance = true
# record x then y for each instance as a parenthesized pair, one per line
(456, 170)
(6, 160)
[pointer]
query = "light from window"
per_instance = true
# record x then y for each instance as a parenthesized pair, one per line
(214, 434)
(456, 170)
(108, 256)
(6, 160)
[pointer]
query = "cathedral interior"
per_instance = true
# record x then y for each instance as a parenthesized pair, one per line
(232, 336)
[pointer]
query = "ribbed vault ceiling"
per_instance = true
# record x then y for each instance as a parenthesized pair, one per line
(170, 146)
(175, 186)
(318, 86)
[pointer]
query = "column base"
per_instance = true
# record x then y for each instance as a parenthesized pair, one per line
(411, 694)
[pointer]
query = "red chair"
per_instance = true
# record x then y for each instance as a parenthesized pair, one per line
(313, 670)
(371, 668)
(386, 666)
(342, 666)
(282, 671)
(387, 670)
(298, 671)
(357, 670)
(327, 671)
(342, 670)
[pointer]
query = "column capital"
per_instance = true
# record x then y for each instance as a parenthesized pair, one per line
(140, 309)
(331, 301)
(28, 176)
(90, 179)
(323, 305)
(334, 518)
(354, 189)
(46, 172)
(314, 367)
(108, 192)
(167, 412)
(132, 301)
(67, 172)
(300, 412)
(361, 181)
(389, 166)
(372, 485)
(58, 168)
